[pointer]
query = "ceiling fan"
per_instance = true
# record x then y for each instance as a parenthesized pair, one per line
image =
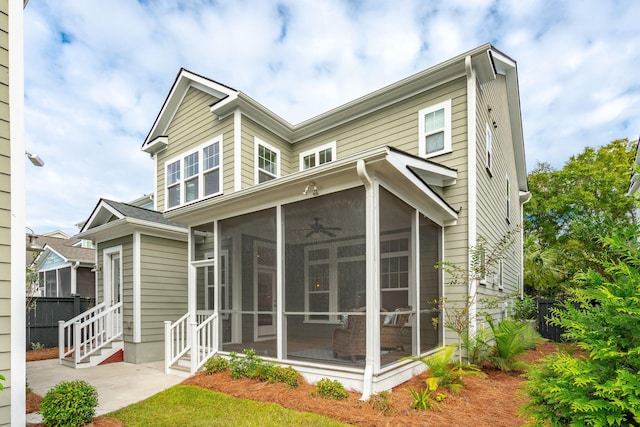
(316, 227)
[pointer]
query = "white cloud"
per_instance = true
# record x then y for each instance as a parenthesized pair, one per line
(97, 74)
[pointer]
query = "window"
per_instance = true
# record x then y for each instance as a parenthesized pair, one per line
(55, 283)
(508, 199)
(268, 162)
(500, 276)
(318, 156)
(194, 175)
(489, 139)
(394, 272)
(434, 129)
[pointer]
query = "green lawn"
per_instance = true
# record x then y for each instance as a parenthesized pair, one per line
(184, 405)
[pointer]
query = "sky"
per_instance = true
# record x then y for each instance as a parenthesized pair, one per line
(97, 73)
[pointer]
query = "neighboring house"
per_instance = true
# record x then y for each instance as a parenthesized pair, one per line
(315, 244)
(12, 214)
(64, 266)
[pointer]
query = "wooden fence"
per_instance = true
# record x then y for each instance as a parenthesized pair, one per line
(550, 332)
(42, 319)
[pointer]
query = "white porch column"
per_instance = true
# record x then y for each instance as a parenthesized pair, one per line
(191, 281)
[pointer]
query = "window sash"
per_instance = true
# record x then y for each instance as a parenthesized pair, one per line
(317, 156)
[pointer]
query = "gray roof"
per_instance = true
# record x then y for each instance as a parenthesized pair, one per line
(64, 247)
(141, 213)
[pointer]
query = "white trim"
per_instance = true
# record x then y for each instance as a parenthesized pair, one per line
(280, 319)
(256, 143)
(137, 327)
(155, 182)
(200, 174)
(508, 198)
(488, 157)
(472, 174)
(17, 376)
(316, 152)
(107, 253)
(237, 150)
(446, 105)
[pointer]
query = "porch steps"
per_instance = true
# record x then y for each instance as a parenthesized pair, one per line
(97, 358)
(182, 367)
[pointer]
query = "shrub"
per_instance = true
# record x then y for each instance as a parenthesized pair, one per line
(525, 308)
(422, 399)
(381, 403)
(247, 366)
(70, 403)
(288, 376)
(328, 389)
(477, 345)
(36, 346)
(602, 317)
(511, 338)
(215, 364)
(443, 373)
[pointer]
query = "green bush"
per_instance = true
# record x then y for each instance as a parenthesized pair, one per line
(215, 364)
(288, 376)
(601, 387)
(247, 366)
(70, 403)
(423, 400)
(525, 308)
(328, 389)
(443, 373)
(511, 339)
(381, 402)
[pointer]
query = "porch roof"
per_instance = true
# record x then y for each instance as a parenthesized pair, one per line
(410, 177)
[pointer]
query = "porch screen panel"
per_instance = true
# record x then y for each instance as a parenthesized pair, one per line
(324, 272)
(396, 282)
(430, 284)
(248, 243)
(64, 278)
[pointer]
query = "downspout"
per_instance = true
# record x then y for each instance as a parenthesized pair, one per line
(525, 196)
(372, 313)
(472, 200)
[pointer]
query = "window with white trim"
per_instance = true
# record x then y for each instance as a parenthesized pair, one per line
(489, 139)
(267, 161)
(434, 129)
(194, 175)
(318, 156)
(508, 199)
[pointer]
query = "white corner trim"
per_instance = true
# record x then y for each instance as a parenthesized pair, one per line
(237, 150)
(472, 199)
(137, 334)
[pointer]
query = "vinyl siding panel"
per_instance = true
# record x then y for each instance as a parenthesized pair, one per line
(250, 130)
(127, 279)
(193, 125)
(163, 284)
(5, 220)
(492, 222)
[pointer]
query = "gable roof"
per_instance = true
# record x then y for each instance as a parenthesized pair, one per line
(486, 60)
(109, 214)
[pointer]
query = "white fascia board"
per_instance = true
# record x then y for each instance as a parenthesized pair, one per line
(431, 173)
(126, 226)
(98, 215)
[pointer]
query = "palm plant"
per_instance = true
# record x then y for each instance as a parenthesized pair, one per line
(511, 338)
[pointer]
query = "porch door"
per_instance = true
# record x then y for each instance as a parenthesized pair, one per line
(113, 287)
(265, 290)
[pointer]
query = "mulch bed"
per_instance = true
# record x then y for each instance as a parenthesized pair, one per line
(492, 401)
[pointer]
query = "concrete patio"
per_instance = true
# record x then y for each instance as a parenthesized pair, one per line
(119, 384)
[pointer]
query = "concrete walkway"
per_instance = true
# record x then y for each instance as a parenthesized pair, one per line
(119, 384)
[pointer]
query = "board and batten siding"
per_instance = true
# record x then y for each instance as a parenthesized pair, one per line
(163, 284)
(193, 125)
(127, 279)
(491, 218)
(5, 218)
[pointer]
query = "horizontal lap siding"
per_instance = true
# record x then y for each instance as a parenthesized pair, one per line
(127, 278)
(250, 130)
(193, 125)
(163, 284)
(5, 220)
(492, 223)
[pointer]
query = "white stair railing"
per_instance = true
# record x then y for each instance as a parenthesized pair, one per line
(205, 342)
(87, 333)
(177, 340)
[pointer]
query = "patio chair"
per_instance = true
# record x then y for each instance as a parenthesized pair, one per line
(351, 340)
(391, 328)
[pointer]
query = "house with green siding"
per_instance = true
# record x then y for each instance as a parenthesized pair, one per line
(315, 244)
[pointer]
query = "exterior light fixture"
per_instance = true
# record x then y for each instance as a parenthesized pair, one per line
(310, 186)
(35, 159)
(32, 246)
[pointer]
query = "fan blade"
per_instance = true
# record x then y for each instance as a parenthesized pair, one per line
(328, 233)
(310, 233)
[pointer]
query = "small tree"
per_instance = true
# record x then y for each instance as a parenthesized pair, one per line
(602, 387)
(484, 261)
